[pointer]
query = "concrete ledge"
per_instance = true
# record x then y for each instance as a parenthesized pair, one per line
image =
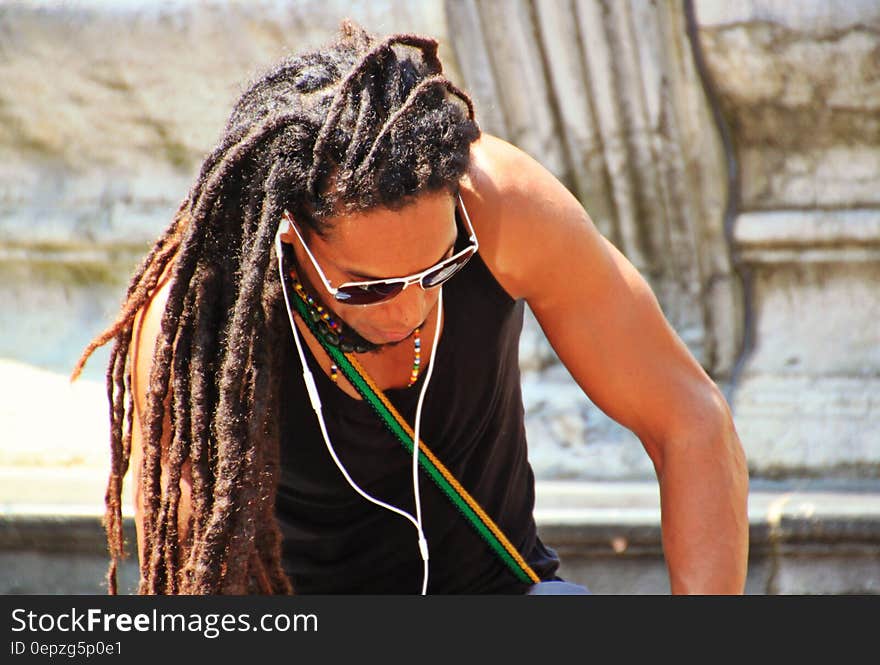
(806, 537)
(809, 537)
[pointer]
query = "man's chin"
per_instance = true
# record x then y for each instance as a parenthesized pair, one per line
(378, 340)
(386, 341)
(396, 337)
(383, 339)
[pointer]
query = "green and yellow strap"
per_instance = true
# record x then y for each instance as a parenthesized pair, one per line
(448, 484)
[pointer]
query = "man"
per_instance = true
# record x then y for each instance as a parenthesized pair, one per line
(353, 242)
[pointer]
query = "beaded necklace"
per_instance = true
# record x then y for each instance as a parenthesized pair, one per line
(346, 339)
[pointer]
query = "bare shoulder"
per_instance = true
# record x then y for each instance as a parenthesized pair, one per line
(521, 212)
(146, 326)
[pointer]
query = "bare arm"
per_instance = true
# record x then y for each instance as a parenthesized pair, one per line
(146, 329)
(604, 322)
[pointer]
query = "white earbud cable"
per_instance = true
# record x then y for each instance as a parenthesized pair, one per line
(315, 399)
(423, 543)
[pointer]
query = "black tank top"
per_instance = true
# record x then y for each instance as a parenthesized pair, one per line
(335, 541)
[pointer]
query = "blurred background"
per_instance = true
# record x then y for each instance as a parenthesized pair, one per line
(730, 150)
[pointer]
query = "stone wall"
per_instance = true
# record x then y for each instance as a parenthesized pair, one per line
(799, 85)
(106, 110)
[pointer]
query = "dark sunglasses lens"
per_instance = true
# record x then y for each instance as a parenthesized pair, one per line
(367, 295)
(445, 271)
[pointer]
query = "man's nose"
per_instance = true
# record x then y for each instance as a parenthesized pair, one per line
(407, 310)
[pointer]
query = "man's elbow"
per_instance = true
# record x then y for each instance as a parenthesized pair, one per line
(702, 432)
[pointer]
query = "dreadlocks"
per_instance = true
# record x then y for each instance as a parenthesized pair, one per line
(360, 124)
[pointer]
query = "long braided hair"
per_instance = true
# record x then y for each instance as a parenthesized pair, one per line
(358, 124)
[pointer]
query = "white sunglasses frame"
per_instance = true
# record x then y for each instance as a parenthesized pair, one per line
(409, 280)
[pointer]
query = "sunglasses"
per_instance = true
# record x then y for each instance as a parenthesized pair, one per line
(377, 291)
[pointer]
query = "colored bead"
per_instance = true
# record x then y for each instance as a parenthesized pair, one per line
(417, 360)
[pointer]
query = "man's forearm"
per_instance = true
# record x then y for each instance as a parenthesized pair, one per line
(704, 494)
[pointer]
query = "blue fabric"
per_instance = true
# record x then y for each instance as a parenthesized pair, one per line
(557, 588)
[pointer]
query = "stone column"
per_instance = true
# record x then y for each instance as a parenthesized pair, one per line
(799, 84)
(606, 95)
